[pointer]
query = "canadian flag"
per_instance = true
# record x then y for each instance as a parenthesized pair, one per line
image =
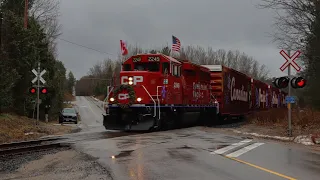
(123, 46)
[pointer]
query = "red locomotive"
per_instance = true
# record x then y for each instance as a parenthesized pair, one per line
(157, 91)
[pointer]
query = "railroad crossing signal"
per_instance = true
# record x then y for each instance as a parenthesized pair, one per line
(290, 60)
(44, 90)
(281, 82)
(40, 76)
(33, 90)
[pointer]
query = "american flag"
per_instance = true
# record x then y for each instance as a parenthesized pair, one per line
(175, 44)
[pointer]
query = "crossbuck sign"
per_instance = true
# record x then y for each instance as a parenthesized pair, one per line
(290, 60)
(40, 76)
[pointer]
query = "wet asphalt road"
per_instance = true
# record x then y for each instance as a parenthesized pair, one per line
(189, 153)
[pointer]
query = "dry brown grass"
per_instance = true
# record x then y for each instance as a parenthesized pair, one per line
(14, 128)
(100, 97)
(69, 97)
(67, 105)
(304, 121)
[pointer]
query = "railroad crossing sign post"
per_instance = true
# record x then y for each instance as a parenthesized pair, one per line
(38, 78)
(290, 62)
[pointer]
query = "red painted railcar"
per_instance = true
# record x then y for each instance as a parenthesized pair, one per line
(239, 94)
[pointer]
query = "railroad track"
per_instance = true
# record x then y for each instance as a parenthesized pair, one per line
(24, 147)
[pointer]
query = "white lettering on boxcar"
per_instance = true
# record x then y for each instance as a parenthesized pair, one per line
(238, 94)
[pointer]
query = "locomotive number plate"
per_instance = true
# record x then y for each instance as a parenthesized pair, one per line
(154, 58)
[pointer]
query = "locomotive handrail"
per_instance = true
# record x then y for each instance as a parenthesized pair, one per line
(155, 104)
(106, 99)
(158, 100)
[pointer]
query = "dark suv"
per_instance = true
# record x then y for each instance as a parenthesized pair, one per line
(68, 115)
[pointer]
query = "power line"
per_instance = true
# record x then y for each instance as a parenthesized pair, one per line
(85, 47)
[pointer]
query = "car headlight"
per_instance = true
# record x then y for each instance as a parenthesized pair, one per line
(139, 99)
(112, 99)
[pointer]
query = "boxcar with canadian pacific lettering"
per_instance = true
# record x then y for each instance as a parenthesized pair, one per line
(231, 89)
(260, 95)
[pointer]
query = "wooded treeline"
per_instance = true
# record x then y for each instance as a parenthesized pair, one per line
(100, 75)
(20, 51)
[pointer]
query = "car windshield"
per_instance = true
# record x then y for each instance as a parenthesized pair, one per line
(69, 110)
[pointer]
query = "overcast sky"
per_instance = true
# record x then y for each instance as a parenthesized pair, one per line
(226, 24)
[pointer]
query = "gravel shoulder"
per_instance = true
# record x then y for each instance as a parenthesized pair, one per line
(67, 164)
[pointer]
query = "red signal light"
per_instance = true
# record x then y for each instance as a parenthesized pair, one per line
(33, 90)
(301, 83)
(298, 82)
(44, 90)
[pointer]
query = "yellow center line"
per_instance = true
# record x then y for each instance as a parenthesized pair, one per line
(88, 102)
(261, 168)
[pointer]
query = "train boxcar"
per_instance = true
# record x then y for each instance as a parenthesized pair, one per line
(260, 95)
(157, 91)
(239, 94)
(232, 89)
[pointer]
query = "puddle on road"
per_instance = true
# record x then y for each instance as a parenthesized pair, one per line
(181, 155)
(184, 147)
(124, 154)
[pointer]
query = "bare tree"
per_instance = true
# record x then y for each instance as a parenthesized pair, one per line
(230, 58)
(293, 21)
(221, 56)
(236, 60)
(46, 12)
(255, 69)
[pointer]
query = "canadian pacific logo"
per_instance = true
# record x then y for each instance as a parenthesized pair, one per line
(238, 94)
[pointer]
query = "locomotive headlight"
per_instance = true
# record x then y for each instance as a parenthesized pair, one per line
(112, 99)
(130, 80)
(139, 99)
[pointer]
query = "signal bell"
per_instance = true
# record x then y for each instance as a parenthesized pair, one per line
(298, 82)
(281, 82)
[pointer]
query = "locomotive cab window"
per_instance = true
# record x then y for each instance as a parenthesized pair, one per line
(165, 67)
(176, 70)
(127, 67)
(150, 66)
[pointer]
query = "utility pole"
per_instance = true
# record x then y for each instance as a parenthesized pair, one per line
(1, 19)
(38, 93)
(26, 4)
(289, 94)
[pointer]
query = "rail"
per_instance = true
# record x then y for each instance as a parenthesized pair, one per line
(30, 146)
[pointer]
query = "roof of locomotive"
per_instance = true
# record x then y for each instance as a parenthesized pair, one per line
(158, 54)
(175, 60)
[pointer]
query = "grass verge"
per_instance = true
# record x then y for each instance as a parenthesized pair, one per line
(275, 121)
(21, 128)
